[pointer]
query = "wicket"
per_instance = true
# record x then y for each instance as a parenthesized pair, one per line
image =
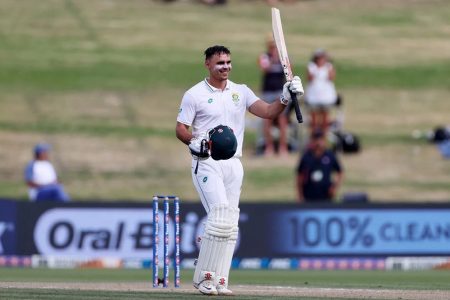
(176, 258)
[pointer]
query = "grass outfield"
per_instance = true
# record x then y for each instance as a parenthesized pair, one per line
(358, 280)
(102, 81)
(52, 294)
(422, 280)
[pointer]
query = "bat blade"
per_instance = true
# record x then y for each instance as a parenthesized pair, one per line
(278, 35)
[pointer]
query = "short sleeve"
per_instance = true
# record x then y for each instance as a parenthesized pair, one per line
(249, 96)
(186, 113)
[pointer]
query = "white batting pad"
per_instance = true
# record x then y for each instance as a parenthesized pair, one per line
(220, 221)
(223, 268)
(218, 231)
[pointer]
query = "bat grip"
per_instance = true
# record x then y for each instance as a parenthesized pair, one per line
(298, 112)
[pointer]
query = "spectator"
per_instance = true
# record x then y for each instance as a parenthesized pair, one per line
(320, 92)
(272, 86)
(315, 172)
(41, 177)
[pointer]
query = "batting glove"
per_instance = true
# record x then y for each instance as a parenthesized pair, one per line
(294, 86)
(199, 147)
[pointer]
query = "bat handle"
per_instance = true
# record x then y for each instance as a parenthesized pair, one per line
(298, 112)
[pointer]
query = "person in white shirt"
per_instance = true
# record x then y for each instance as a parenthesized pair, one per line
(215, 101)
(320, 92)
(41, 178)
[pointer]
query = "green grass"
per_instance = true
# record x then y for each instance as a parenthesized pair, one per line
(141, 75)
(77, 49)
(415, 280)
(422, 280)
(104, 79)
(50, 127)
(399, 77)
(94, 295)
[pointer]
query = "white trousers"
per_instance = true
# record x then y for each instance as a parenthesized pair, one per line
(218, 182)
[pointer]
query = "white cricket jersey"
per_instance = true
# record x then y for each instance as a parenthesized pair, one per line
(204, 107)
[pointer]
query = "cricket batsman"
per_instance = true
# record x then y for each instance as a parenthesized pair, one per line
(211, 122)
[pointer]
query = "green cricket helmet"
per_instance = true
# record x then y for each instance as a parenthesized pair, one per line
(222, 142)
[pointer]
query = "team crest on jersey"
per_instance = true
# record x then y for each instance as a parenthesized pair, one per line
(235, 98)
(210, 100)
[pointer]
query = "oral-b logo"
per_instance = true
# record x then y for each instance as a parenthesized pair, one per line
(112, 232)
(96, 232)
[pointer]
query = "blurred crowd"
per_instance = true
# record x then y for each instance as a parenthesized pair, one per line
(319, 172)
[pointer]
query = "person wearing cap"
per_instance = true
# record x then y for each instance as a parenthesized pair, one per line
(273, 80)
(41, 178)
(319, 173)
(320, 94)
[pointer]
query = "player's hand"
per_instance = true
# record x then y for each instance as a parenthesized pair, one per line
(199, 147)
(294, 86)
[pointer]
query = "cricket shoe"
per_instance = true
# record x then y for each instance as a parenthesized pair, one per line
(224, 291)
(206, 286)
(222, 287)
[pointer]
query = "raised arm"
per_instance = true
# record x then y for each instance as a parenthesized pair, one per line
(271, 111)
(266, 111)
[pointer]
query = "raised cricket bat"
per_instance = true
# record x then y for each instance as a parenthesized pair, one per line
(278, 36)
